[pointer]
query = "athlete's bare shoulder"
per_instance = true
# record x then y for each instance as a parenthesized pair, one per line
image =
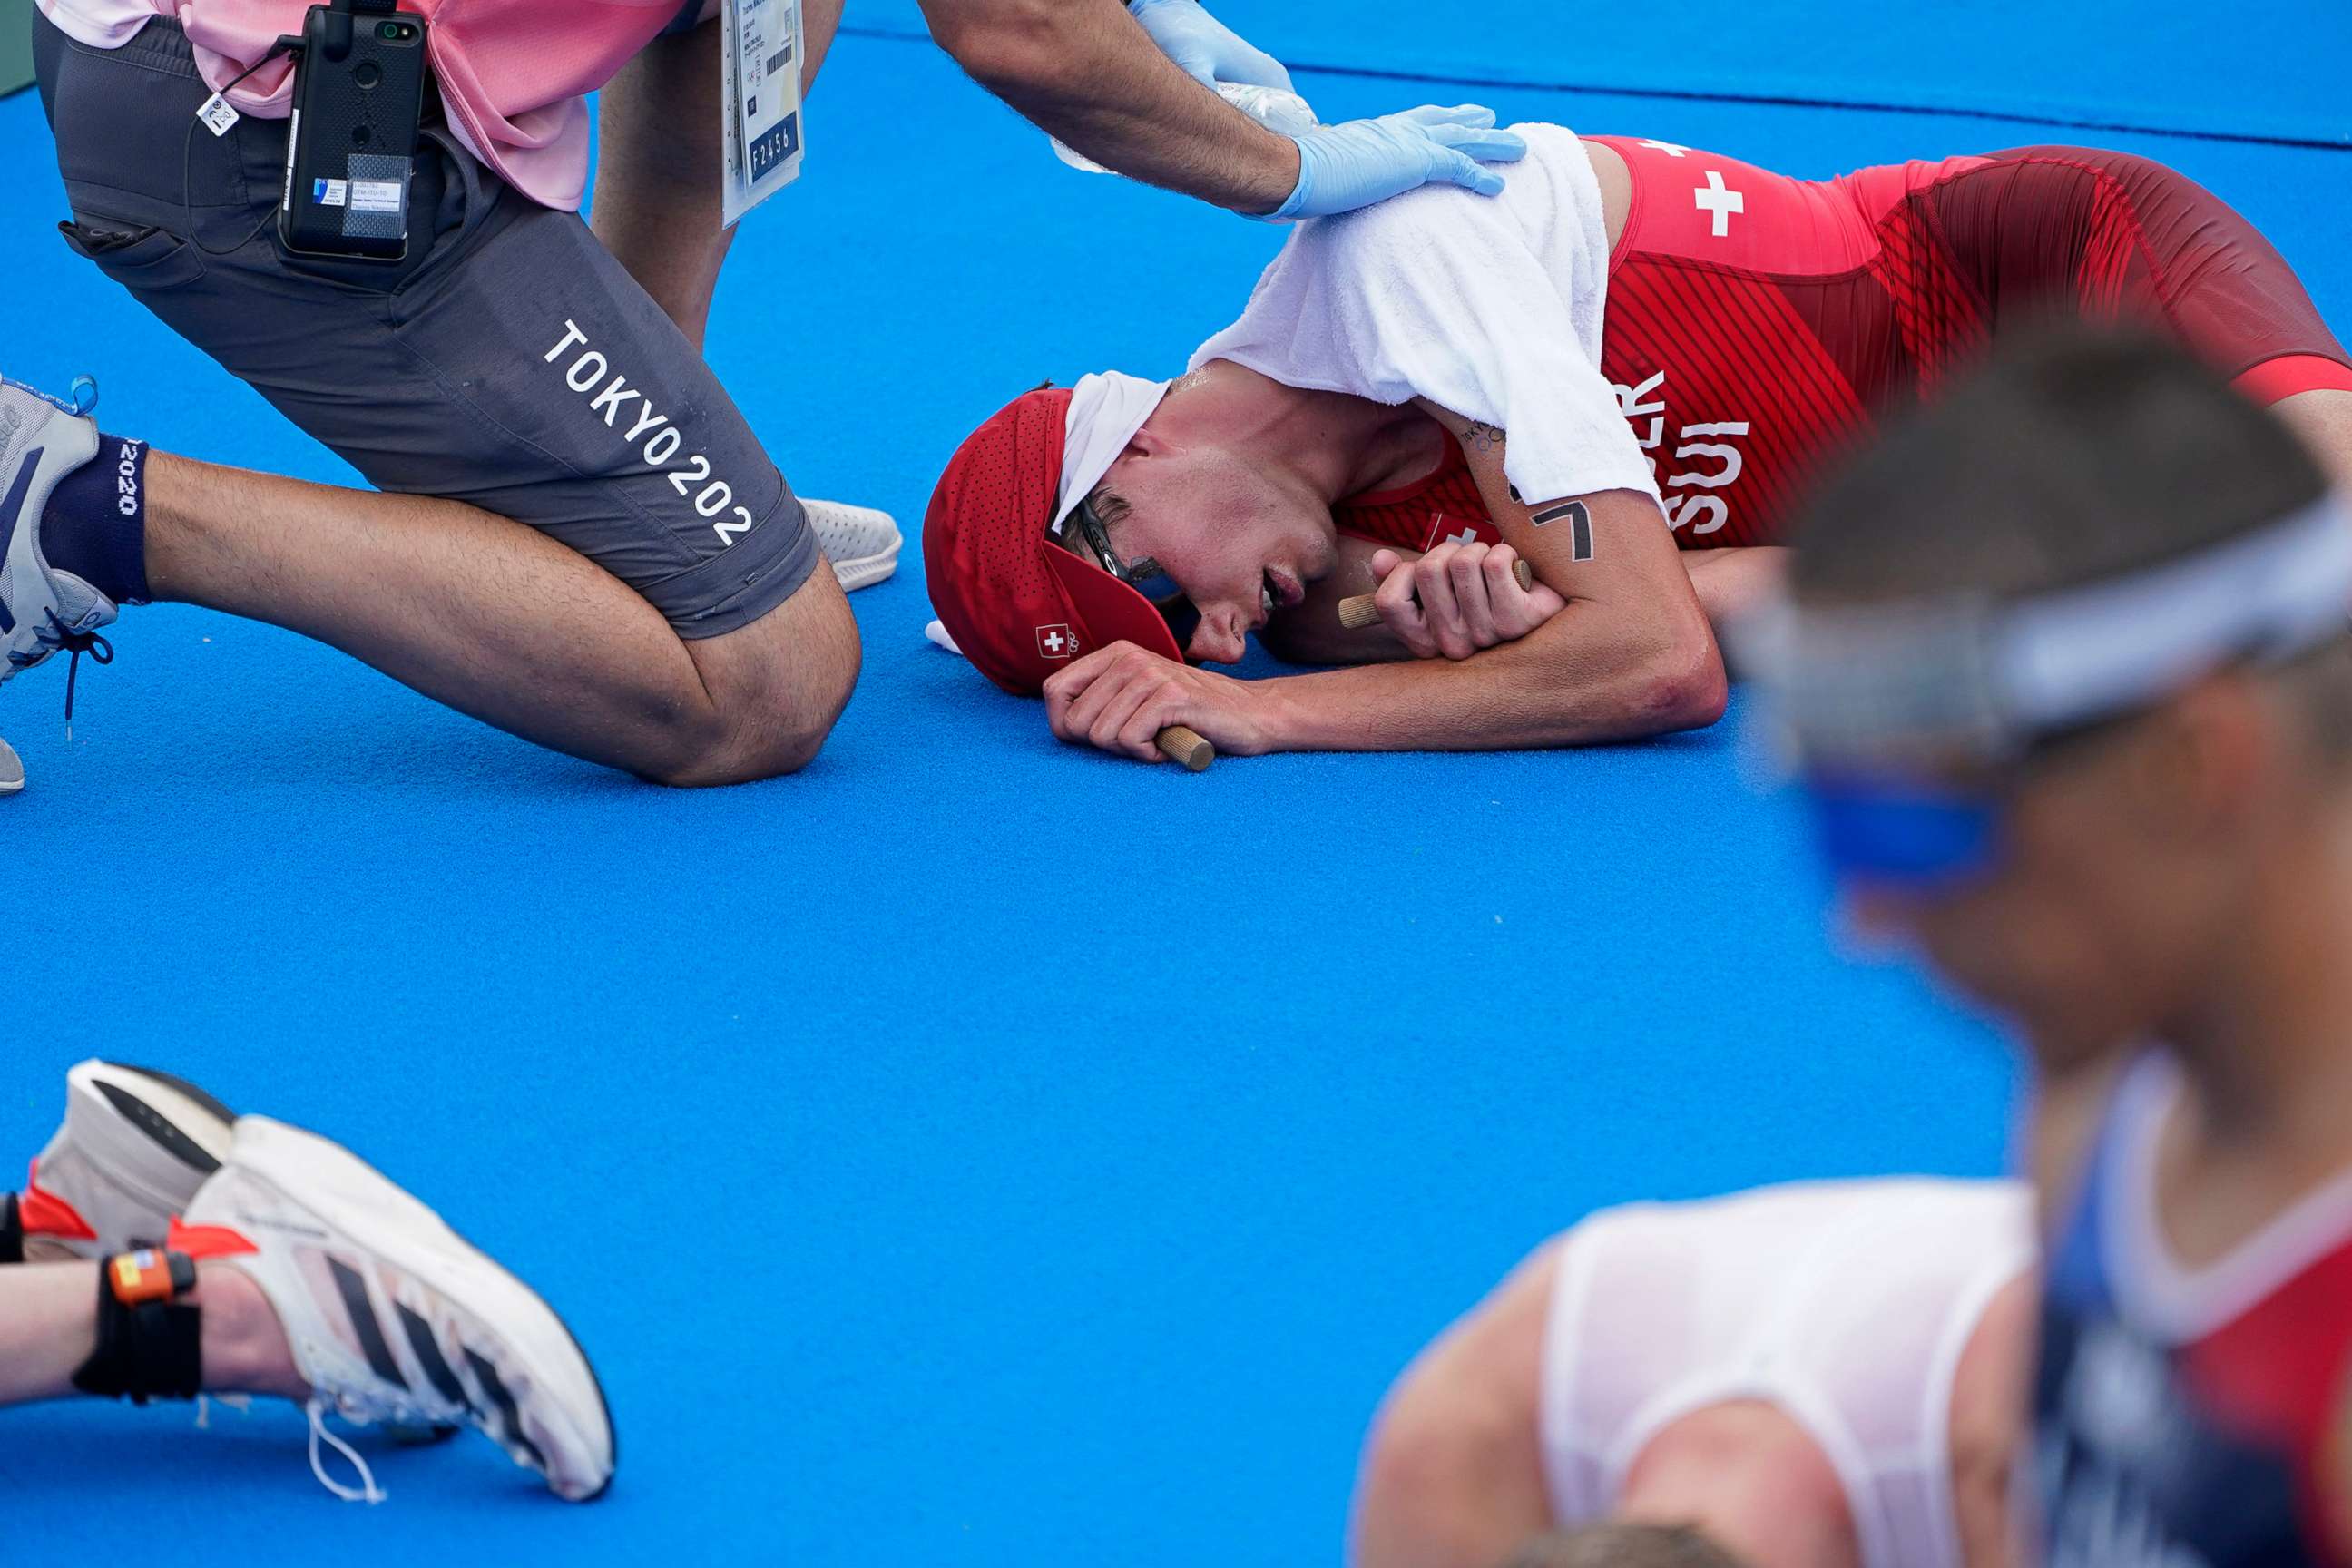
(1616, 179)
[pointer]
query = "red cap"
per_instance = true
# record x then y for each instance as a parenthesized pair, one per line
(1017, 604)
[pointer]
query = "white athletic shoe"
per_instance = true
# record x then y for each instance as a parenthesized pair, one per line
(134, 1147)
(42, 611)
(12, 770)
(861, 542)
(391, 1316)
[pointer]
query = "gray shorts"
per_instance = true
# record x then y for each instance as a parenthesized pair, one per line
(508, 362)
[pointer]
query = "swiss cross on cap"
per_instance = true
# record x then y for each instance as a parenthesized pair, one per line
(994, 571)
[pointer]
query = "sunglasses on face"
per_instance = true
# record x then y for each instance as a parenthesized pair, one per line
(1893, 831)
(1932, 835)
(1143, 574)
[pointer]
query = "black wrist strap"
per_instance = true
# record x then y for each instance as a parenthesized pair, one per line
(149, 1346)
(12, 1230)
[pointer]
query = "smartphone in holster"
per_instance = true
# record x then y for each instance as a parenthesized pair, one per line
(359, 94)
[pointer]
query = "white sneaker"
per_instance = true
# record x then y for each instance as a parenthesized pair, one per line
(134, 1147)
(42, 611)
(12, 770)
(391, 1316)
(861, 542)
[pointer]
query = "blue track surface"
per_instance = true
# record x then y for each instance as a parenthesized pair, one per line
(971, 1150)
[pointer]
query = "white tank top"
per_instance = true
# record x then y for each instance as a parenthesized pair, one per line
(1844, 1304)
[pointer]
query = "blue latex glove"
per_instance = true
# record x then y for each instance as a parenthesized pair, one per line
(1209, 51)
(1343, 167)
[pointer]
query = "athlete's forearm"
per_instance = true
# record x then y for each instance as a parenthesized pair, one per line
(1631, 654)
(1731, 581)
(1326, 641)
(1583, 676)
(1086, 72)
(1309, 632)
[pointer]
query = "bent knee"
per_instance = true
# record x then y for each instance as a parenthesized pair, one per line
(777, 688)
(779, 750)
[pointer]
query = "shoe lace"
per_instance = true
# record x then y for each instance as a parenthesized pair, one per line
(63, 638)
(367, 1491)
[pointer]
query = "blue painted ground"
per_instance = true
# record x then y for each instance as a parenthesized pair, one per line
(971, 1150)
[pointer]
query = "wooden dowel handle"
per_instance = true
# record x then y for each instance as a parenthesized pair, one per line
(1360, 610)
(1189, 747)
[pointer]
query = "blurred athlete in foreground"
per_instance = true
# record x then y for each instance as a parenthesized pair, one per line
(1637, 347)
(238, 1255)
(2063, 665)
(1823, 1375)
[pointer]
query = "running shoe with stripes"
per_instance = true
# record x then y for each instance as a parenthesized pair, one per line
(861, 542)
(43, 611)
(391, 1316)
(133, 1148)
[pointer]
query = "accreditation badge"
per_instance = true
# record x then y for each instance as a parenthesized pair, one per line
(761, 100)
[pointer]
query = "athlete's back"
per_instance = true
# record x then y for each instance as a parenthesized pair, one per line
(1758, 325)
(1846, 1306)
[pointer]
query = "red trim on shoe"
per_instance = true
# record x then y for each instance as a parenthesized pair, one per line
(45, 1213)
(207, 1240)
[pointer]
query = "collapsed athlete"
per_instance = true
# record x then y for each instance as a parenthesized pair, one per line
(164, 1249)
(1421, 392)
(1823, 1375)
(576, 535)
(2080, 730)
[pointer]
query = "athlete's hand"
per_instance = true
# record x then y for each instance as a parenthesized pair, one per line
(1343, 167)
(1458, 599)
(1209, 51)
(1120, 696)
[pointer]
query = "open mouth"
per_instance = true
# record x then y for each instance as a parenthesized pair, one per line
(1278, 590)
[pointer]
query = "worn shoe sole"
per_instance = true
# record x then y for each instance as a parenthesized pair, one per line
(866, 570)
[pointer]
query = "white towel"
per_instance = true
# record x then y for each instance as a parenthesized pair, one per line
(1490, 307)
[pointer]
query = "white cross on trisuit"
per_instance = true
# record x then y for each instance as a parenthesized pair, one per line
(1671, 148)
(1052, 642)
(1719, 203)
(1467, 536)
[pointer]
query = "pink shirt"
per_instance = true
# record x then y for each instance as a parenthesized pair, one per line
(513, 73)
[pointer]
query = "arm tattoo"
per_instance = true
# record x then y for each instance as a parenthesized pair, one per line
(1484, 436)
(1579, 525)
